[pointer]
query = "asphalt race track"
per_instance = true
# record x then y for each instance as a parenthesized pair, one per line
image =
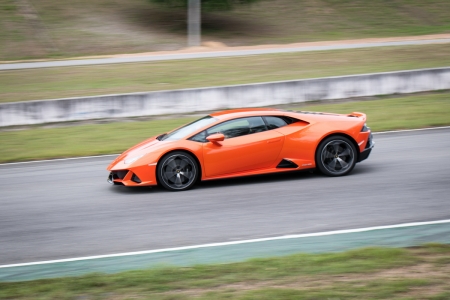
(65, 209)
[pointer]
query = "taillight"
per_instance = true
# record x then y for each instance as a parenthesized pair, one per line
(365, 128)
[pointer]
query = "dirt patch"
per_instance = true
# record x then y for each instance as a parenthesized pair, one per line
(207, 47)
(216, 46)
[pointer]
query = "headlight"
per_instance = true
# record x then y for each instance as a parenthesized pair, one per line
(133, 159)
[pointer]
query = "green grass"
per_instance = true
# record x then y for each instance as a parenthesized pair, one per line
(48, 83)
(413, 111)
(74, 28)
(94, 139)
(371, 273)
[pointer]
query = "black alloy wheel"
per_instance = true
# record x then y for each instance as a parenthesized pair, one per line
(336, 156)
(177, 171)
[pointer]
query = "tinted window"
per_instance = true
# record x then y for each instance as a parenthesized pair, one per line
(275, 122)
(230, 129)
(256, 124)
(199, 137)
(233, 128)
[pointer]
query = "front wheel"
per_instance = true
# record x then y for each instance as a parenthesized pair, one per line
(336, 156)
(177, 171)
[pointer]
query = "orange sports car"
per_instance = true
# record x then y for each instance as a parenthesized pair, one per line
(245, 142)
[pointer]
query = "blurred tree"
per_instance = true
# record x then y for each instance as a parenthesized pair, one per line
(206, 4)
(194, 8)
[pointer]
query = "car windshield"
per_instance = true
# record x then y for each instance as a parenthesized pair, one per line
(188, 129)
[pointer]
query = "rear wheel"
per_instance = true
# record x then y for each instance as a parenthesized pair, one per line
(336, 156)
(177, 171)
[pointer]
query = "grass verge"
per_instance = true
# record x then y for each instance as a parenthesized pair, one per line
(51, 28)
(413, 111)
(371, 273)
(48, 83)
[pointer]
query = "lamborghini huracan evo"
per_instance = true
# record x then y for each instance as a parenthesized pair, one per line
(245, 142)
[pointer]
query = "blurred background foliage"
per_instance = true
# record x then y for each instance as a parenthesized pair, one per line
(207, 5)
(96, 27)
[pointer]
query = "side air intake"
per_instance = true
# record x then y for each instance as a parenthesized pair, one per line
(136, 179)
(287, 164)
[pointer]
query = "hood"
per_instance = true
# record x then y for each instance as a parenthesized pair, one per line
(137, 150)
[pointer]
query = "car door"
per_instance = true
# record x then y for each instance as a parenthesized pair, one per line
(248, 145)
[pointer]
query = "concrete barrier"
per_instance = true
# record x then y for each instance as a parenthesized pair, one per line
(215, 98)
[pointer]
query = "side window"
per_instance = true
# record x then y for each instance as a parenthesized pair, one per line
(233, 128)
(199, 137)
(257, 124)
(275, 122)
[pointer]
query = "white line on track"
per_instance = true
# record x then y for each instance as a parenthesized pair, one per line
(284, 237)
(109, 155)
(410, 130)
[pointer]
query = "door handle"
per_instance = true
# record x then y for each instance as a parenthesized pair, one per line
(273, 141)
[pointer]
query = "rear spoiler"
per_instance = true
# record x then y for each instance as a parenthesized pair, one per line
(357, 115)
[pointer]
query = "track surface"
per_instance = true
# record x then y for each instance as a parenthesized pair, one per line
(63, 209)
(225, 53)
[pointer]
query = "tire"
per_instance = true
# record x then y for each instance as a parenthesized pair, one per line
(336, 156)
(177, 171)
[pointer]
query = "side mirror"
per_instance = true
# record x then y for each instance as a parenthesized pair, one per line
(217, 137)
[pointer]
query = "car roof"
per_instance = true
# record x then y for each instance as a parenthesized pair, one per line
(306, 116)
(244, 112)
